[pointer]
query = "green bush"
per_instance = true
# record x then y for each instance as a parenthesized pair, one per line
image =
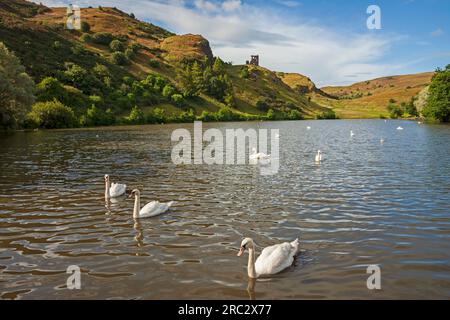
(153, 63)
(329, 114)
(294, 115)
(395, 111)
(207, 116)
(85, 27)
(130, 54)
(168, 91)
(97, 117)
(119, 58)
(178, 99)
(51, 115)
(103, 38)
(157, 115)
(86, 37)
(136, 116)
(262, 105)
(116, 45)
(271, 115)
(244, 74)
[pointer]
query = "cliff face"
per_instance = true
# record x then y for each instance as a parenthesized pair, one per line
(186, 48)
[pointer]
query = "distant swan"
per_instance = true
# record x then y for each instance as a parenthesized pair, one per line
(399, 128)
(381, 140)
(272, 260)
(151, 209)
(319, 156)
(351, 133)
(308, 128)
(255, 156)
(114, 190)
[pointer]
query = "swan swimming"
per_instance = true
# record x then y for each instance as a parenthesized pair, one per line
(272, 260)
(151, 209)
(319, 156)
(399, 128)
(308, 128)
(114, 190)
(351, 133)
(255, 156)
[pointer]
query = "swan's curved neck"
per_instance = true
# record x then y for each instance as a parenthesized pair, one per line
(251, 263)
(137, 206)
(107, 187)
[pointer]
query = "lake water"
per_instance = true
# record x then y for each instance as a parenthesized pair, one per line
(367, 203)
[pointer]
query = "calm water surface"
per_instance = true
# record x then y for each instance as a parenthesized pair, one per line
(368, 203)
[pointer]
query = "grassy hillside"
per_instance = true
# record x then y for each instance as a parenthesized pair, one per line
(38, 36)
(369, 99)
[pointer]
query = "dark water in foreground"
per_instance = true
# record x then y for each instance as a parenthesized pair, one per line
(368, 203)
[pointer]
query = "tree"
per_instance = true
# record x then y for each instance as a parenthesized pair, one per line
(50, 88)
(119, 58)
(244, 74)
(438, 104)
(168, 91)
(130, 54)
(51, 115)
(262, 105)
(136, 116)
(218, 66)
(116, 45)
(178, 99)
(85, 27)
(16, 89)
(411, 109)
(270, 115)
(395, 111)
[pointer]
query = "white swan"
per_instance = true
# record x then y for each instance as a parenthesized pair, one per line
(255, 156)
(399, 128)
(381, 140)
(272, 260)
(319, 156)
(114, 190)
(308, 128)
(152, 209)
(351, 133)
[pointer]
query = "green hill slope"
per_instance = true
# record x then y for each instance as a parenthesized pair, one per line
(88, 68)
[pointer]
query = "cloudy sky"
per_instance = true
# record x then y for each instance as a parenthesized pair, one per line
(326, 40)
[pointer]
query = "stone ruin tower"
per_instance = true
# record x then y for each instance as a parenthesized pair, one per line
(254, 61)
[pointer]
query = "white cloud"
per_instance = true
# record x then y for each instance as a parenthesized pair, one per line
(237, 30)
(205, 5)
(437, 33)
(289, 3)
(231, 5)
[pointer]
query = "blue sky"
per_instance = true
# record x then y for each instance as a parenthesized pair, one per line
(325, 40)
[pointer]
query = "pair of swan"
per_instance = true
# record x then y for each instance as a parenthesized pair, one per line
(151, 209)
(272, 260)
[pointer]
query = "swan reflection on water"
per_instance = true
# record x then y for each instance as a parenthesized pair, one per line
(139, 237)
(251, 288)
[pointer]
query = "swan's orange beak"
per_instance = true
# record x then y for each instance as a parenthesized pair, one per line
(241, 251)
